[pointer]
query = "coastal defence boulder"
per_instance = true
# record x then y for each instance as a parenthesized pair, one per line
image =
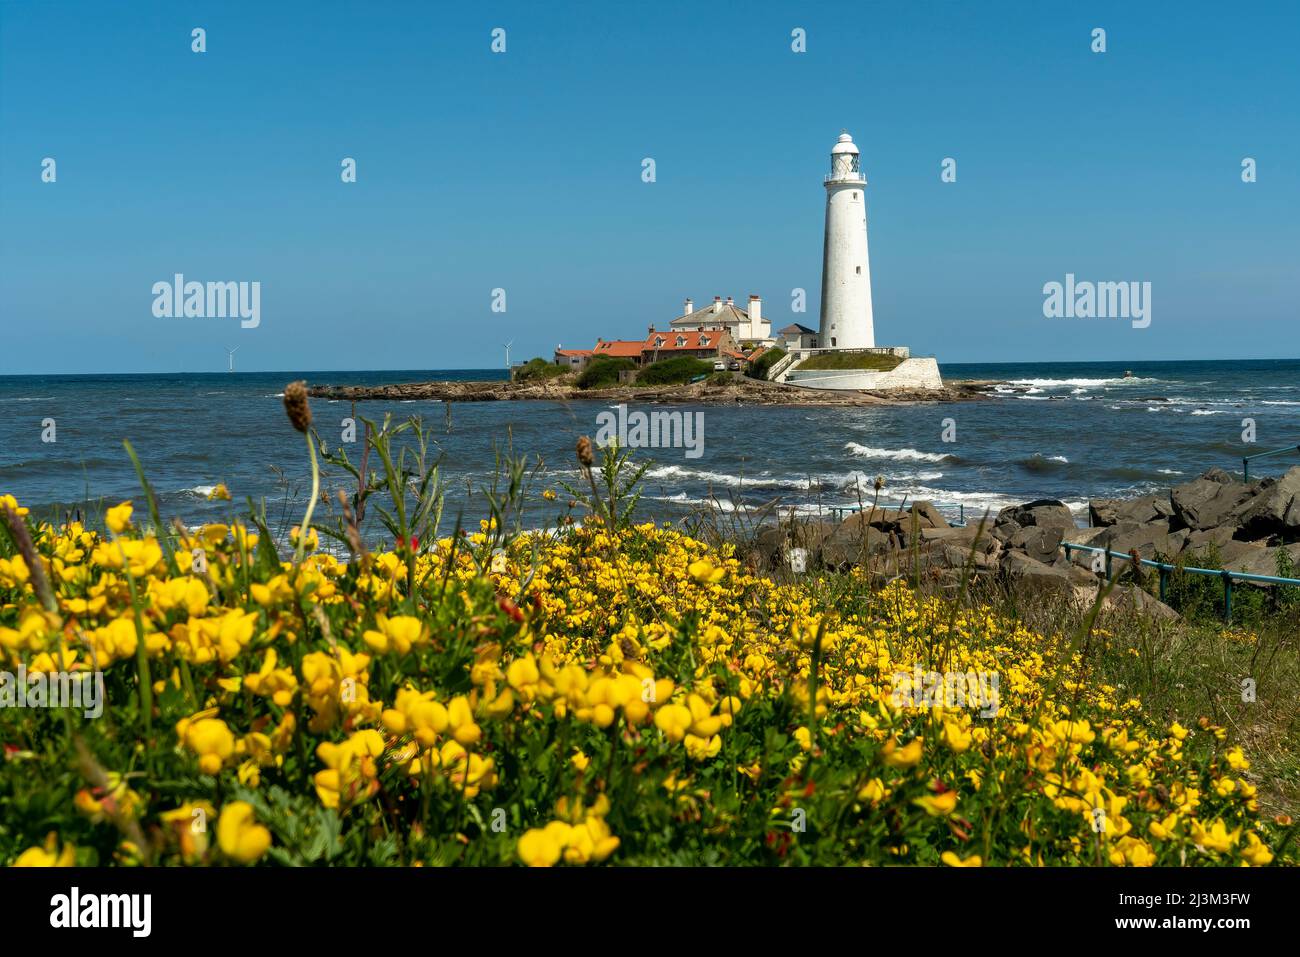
(1275, 510)
(1043, 513)
(1140, 511)
(1209, 501)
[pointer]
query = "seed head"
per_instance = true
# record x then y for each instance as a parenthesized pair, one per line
(295, 405)
(585, 457)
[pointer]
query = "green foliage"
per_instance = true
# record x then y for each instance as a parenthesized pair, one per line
(538, 370)
(866, 361)
(675, 370)
(603, 372)
(760, 367)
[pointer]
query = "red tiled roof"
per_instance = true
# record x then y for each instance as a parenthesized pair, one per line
(689, 340)
(618, 348)
(573, 352)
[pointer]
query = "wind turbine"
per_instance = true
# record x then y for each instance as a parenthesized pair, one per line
(508, 345)
(230, 354)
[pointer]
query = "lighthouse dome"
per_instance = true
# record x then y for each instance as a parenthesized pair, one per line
(845, 145)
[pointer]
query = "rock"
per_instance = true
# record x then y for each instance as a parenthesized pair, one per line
(1204, 538)
(1217, 474)
(1021, 572)
(1149, 540)
(1274, 511)
(772, 542)
(1103, 511)
(1044, 513)
(1112, 511)
(1146, 509)
(927, 516)
(1207, 503)
(852, 542)
(1042, 544)
(1132, 599)
(1224, 555)
(1004, 531)
(1263, 561)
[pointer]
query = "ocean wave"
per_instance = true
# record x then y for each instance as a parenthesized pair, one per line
(1043, 463)
(1209, 412)
(897, 455)
(1085, 383)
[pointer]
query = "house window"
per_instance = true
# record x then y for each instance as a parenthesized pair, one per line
(659, 342)
(832, 342)
(704, 340)
(681, 341)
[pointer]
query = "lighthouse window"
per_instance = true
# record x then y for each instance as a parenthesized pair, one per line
(855, 195)
(859, 270)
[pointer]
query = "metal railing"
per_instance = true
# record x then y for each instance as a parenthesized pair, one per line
(1245, 460)
(842, 511)
(1165, 568)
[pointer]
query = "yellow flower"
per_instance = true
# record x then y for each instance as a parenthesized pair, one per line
(1255, 852)
(397, 634)
(49, 855)
(212, 741)
(541, 847)
(1216, 837)
(219, 491)
(118, 518)
(904, 757)
(937, 805)
(239, 835)
(952, 860)
(673, 720)
(704, 572)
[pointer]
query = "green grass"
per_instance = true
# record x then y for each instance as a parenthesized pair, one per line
(603, 373)
(538, 370)
(869, 361)
(677, 369)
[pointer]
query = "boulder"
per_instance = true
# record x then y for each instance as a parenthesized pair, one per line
(1043, 513)
(1132, 599)
(1040, 543)
(1148, 539)
(772, 542)
(1207, 502)
(852, 542)
(1021, 572)
(1275, 510)
(1205, 538)
(1263, 561)
(1103, 511)
(927, 516)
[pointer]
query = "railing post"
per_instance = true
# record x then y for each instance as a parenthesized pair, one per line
(1245, 470)
(1227, 597)
(1164, 577)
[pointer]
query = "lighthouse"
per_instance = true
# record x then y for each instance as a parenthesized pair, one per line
(846, 321)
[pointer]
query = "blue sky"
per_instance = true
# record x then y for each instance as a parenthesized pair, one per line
(522, 171)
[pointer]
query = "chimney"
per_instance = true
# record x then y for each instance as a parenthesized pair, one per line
(755, 311)
(730, 301)
(717, 304)
(652, 330)
(689, 308)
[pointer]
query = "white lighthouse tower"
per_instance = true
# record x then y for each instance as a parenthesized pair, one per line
(846, 321)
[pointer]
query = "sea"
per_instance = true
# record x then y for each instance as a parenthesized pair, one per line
(1062, 430)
